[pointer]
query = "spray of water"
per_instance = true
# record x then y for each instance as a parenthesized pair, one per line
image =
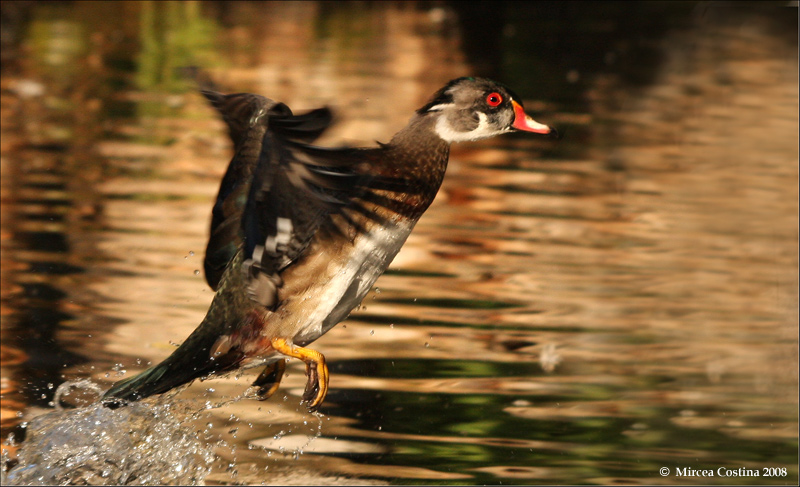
(143, 443)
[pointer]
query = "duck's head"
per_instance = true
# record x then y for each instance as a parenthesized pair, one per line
(477, 108)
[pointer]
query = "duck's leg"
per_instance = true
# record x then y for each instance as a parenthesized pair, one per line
(269, 379)
(316, 371)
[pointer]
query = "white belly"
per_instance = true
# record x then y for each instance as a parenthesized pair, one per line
(349, 282)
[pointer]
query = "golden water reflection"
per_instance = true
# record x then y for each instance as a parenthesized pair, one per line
(582, 311)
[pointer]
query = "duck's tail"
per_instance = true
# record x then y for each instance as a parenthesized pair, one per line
(190, 361)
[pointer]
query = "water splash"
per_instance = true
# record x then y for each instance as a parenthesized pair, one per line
(549, 358)
(292, 441)
(82, 385)
(140, 443)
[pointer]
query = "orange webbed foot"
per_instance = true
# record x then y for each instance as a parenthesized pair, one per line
(316, 371)
(269, 380)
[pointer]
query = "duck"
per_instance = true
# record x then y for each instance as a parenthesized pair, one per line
(300, 233)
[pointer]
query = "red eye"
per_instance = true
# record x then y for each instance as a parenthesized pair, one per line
(494, 99)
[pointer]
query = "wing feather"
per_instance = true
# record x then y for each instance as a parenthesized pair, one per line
(279, 192)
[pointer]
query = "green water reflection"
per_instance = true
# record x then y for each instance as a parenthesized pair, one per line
(579, 311)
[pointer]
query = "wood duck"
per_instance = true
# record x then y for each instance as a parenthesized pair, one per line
(300, 233)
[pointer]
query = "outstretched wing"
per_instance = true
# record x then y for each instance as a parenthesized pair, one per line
(295, 190)
(248, 117)
(279, 192)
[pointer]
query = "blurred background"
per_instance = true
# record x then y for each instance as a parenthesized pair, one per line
(586, 310)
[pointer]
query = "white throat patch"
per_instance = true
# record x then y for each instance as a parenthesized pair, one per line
(446, 132)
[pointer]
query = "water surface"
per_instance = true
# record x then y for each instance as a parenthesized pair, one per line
(582, 311)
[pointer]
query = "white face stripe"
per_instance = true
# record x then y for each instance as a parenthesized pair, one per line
(446, 132)
(440, 107)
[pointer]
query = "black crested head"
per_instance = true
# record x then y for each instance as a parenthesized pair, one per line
(476, 108)
(443, 96)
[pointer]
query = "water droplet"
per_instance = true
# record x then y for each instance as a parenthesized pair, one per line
(427, 345)
(191, 253)
(372, 332)
(197, 272)
(391, 325)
